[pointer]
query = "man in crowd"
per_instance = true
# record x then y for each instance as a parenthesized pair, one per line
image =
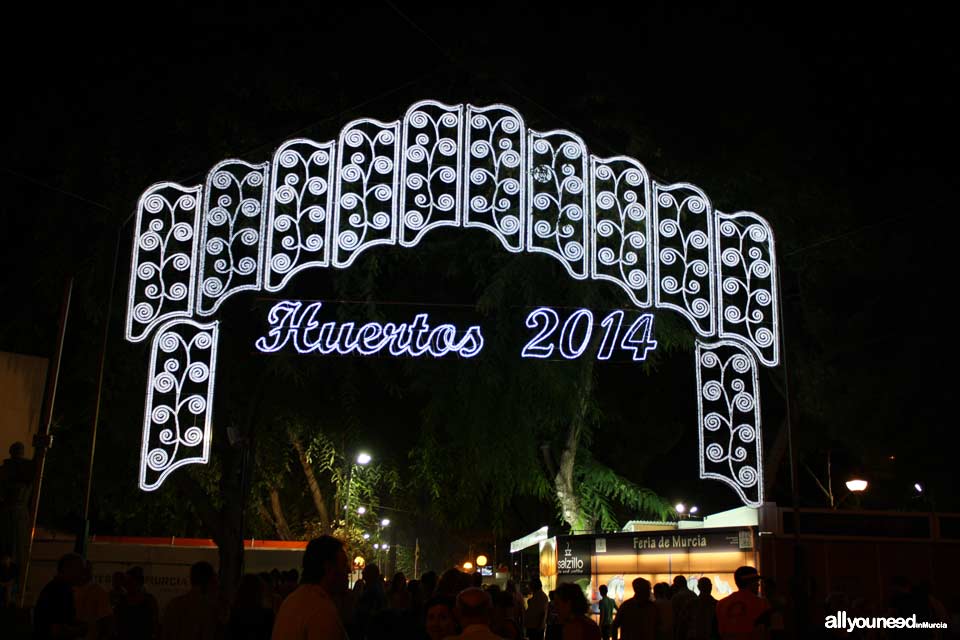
(195, 615)
(680, 599)
(55, 613)
(702, 613)
(739, 614)
(637, 618)
(535, 616)
(474, 612)
(310, 612)
(606, 606)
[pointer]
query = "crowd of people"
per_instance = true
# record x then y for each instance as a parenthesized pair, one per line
(318, 604)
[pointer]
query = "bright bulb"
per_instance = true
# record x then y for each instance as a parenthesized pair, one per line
(680, 508)
(361, 510)
(376, 546)
(694, 509)
(468, 565)
(481, 561)
(366, 536)
(385, 522)
(918, 487)
(386, 547)
(364, 458)
(856, 485)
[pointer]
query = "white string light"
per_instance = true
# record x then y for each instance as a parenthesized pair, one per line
(179, 399)
(728, 405)
(321, 204)
(293, 323)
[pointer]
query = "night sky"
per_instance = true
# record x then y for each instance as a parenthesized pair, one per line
(833, 125)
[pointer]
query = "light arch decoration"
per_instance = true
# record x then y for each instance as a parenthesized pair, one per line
(322, 204)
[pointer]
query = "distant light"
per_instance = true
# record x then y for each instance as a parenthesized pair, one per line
(680, 508)
(361, 510)
(857, 485)
(481, 560)
(376, 546)
(918, 487)
(366, 536)
(694, 509)
(467, 566)
(385, 522)
(893, 457)
(363, 458)
(386, 547)
(358, 561)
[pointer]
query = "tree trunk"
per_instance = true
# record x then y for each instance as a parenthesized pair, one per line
(563, 482)
(312, 483)
(283, 529)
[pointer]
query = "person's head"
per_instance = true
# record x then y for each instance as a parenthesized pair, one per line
(536, 585)
(71, 568)
(747, 579)
(440, 617)
(249, 594)
(473, 607)
(399, 583)
(325, 563)
(603, 591)
(476, 580)
(661, 591)
(371, 576)
(16, 450)
(704, 586)
(202, 576)
(119, 580)
(641, 589)
(679, 583)
(429, 583)
(769, 587)
(134, 579)
(570, 601)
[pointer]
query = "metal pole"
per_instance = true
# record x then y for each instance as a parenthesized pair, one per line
(799, 562)
(84, 535)
(43, 440)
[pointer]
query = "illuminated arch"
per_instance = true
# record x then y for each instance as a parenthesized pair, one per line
(253, 226)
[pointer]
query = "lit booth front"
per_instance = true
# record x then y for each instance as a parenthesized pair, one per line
(657, 552)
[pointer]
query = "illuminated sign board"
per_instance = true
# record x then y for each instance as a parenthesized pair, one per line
(300, 326)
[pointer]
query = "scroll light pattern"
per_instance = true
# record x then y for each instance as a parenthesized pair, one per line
(323, 204)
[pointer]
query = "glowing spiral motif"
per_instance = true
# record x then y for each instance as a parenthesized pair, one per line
(163, 271)
(321, 204)
(748, 290)
(683, 219)
(557, 225)
(495, 165)
(366, 203)
(432, 136)
(179, 399)
(232, 232)
(731, 449)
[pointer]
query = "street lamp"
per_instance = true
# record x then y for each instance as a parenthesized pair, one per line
(467, 566)
(694, 509)
(481, 560)
(363, 458)
(385, 522)
(918, 487)
(680, 508)
(856, 485)
(361, 510)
